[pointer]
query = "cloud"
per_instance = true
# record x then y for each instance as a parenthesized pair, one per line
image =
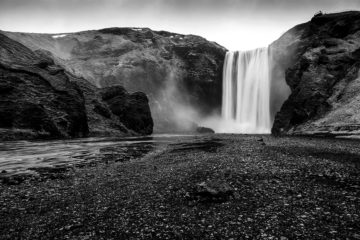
(180, 5)
(236, 24)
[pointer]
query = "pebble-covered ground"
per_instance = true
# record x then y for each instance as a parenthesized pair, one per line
(209, 187)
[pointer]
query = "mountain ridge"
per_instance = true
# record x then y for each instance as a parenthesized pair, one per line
(175, 70)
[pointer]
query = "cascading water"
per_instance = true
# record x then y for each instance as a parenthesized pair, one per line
(246, 92)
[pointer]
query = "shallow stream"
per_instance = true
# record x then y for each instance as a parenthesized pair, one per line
(28, 156)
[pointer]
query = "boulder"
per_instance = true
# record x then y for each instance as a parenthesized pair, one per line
(211, 192)
(204, 130)
(102, 122)
(132, 109)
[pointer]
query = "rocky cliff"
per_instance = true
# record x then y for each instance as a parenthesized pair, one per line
(321, 62)
(181, 74)
(39, 99)
(131, 109)
(315, 77)
(131, 116)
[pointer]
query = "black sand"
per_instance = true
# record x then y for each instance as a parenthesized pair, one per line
(279, 188)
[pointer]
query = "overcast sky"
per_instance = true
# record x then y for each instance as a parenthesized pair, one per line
(235, 24)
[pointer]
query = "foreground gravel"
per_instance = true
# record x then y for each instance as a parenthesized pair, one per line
(281, 188)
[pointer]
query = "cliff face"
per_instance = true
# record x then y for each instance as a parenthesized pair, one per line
(314, 90)
(321, 61)
(181, 74)
(106, 120)
(39, 99)
(36, 97)
(132, 109)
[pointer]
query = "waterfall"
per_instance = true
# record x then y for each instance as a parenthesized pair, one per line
(246, 92)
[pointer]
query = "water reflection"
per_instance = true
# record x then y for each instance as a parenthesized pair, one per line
(31, 156)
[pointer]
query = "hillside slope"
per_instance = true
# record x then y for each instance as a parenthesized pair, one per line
(181, 74)
(39, 99)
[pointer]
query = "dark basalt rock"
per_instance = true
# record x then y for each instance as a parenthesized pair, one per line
(131, 109)
(101, 121)
(322, 71)
(35, 102)
(204, 130)
(211, 192)
(101, 109)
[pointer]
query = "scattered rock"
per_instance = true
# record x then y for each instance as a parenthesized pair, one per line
(204, 130)
(14, 179)
(212, 191)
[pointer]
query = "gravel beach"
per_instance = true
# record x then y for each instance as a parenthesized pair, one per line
(204, 187)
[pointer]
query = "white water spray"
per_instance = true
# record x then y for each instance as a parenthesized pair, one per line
(246, 92)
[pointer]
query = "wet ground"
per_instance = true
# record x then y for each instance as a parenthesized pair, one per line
(194, 187)
(21, 160)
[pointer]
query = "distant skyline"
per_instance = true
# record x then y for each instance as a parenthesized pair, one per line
(234, 24)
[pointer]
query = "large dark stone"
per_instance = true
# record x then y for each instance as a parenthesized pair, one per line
(132, 109)
(204, 130)
(101, 121)
(211, 192)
